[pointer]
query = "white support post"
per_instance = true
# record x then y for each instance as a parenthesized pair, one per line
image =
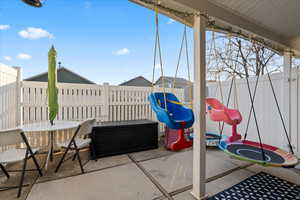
(287, 70)
(199, 147)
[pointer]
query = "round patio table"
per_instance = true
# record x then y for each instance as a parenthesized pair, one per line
(45, 126)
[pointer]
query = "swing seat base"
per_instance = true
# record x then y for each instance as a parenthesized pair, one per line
(175, 139)
(234, 138)
(181, 144)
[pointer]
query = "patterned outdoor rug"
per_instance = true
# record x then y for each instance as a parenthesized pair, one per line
(261, 186)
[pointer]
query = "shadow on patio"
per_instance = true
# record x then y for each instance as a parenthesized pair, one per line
(154, 174)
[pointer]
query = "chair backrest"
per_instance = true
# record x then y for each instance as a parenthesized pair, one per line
(11, 137)
(86, 127)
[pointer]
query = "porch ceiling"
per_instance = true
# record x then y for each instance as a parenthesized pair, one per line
(276, 21)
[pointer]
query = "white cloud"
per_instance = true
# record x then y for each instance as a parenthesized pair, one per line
(8, 58)
(170, 21)
(122, 52)
(24, 56)
(4, 26)
(34, 33)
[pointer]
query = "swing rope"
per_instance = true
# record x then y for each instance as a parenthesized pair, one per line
(158, 47)
(279, 111)
(184, 44)
(154, 62)
(178, 61)
(227, 103)
(236, 102)
(251, 109)
(218, 77)
(255, 119)
(188, 66)
(277, 105)
(230, 91)
(220, 87)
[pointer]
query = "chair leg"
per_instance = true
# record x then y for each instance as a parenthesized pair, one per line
(37, 165)
(74, 157)
(29, 150)
(93, 152)
(23, 174)
(79, 160)
(69, 146)
(4, 171)
(62, 160)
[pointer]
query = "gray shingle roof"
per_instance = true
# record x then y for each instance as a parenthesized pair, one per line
(139, 81)
(64, 75)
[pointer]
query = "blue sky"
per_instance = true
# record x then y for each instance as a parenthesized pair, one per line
(102, 40)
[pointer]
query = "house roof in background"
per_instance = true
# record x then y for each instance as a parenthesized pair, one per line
(64, 75)
(179, 82)
(137, 81)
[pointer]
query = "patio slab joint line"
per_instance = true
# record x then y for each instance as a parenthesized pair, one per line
(152, 179)
(214, 178)
(230, 171)
(31, 186)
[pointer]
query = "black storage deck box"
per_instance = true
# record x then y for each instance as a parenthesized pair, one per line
(112, 138)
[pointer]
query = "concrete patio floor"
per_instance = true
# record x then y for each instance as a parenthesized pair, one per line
(155, 175)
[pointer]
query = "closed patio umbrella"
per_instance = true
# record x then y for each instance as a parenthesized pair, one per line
(52, 88)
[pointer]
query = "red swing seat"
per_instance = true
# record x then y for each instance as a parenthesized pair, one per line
(219, 112)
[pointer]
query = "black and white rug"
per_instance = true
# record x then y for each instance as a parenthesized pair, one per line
(261, 186)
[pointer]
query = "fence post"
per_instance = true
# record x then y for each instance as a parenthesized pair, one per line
(106, 94)
(19, 120)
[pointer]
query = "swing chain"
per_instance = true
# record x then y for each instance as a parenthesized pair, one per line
(158, 47)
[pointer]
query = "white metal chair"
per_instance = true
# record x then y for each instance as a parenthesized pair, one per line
(80, 140)
(14, 137)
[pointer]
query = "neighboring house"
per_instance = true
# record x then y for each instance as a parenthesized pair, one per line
(64, 75)
(179, 83)
(139, 81)
(168, 82)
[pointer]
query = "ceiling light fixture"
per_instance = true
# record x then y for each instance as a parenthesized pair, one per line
(34, 3)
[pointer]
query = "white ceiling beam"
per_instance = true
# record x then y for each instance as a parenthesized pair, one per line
(234, 19)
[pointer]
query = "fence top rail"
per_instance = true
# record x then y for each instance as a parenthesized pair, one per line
(263, 78)
(28, 84)
(60, 85)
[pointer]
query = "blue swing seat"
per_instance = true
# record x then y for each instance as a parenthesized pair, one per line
(177, 115)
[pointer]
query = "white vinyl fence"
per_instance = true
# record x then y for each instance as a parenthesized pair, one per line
(76, 102)
(269, 122)
(8, 74)
(10, 96)
(82, 101)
